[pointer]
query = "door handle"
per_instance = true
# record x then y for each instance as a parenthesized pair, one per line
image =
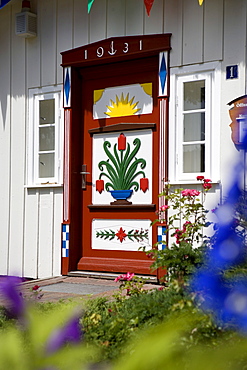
(83, 178)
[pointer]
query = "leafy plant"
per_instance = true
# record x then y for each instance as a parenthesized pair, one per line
(121, 168)
(181, 258)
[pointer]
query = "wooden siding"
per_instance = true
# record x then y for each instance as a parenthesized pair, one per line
(30, 218)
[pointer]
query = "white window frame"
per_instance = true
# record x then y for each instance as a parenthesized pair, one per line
(35, 96)
(210, 72)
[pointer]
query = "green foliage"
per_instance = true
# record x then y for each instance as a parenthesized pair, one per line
(114, 326)
(167, 349)
(179, 260)
(23, 344)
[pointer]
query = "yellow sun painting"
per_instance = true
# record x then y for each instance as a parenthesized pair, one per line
(122, 107)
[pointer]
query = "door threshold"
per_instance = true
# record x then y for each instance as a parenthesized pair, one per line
(109, 275)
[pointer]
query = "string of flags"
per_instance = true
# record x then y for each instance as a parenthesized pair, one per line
(148, 4)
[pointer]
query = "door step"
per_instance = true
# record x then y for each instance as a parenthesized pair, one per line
(109, 275)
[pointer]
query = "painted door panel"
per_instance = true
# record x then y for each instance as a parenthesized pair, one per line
(112, 230)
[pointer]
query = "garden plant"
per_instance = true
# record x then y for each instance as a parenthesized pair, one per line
(198, 319)
(185, 206)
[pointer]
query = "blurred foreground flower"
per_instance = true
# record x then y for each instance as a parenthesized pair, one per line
(226, 298)
(15, 305)
(70, 333)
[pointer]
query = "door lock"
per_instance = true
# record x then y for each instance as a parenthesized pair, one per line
(84, 173)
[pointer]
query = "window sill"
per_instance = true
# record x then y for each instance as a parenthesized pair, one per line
(46, 185)
(192, 182)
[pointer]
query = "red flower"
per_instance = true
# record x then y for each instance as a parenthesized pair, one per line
(164, 208)
(121, 234)
(207, 185)
(144, 184)
(35, 287)
(99, 186)
(200, 178)
(122, 142)
(207, 180)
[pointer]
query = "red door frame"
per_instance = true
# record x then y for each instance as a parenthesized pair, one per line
(108, 51)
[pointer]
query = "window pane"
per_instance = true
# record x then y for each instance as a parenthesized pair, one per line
(46, 111)
(194, 95)
(47, 138)
(194, 126)
(46, 165)
(194, 158)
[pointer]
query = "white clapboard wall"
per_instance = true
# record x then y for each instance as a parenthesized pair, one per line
(30, 218)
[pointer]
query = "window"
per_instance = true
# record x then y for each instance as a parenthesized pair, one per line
(45, 134)
(193, 126)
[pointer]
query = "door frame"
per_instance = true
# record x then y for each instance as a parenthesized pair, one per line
(111, 50)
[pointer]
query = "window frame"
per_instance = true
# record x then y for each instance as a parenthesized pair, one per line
(210, 72)
(35, 96)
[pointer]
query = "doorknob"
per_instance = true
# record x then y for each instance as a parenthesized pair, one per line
(84, 173)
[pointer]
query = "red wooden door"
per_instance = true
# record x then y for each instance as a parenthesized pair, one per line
(119, 149)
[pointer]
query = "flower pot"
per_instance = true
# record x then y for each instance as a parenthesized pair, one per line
(121, 196)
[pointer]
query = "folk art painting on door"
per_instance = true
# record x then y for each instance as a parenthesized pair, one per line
(119, 145)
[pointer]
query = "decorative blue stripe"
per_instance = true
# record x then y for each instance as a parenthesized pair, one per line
(65, 240)
(161, 237)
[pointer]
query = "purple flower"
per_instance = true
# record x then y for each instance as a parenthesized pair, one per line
(15, 305)
(70, 333)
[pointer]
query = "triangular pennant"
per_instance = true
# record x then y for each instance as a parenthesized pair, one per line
(148, 5)
(200, 2)
(89, 5)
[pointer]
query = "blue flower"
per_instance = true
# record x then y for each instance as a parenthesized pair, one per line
(225, 298)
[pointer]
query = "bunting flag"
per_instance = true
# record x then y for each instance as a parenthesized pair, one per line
(148, 5)
(3, 3)
(89, 5)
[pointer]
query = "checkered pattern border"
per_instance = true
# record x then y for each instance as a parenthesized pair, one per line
(65, 240)
(161, 237)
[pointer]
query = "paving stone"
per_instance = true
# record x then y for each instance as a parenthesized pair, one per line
(77, 288)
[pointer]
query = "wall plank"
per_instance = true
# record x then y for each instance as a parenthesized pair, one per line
(234, 53)
(116, 18)
(64, 32)
(5, 32)
(31, 232)
(58, 218)
(192, 32)
(155, 22)
(134, 17)
(80, 28)
(213, 30)
(97, 21)
(45, 251)
(48, 42)
(33, 51)
(173, 24)
(17, 145)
